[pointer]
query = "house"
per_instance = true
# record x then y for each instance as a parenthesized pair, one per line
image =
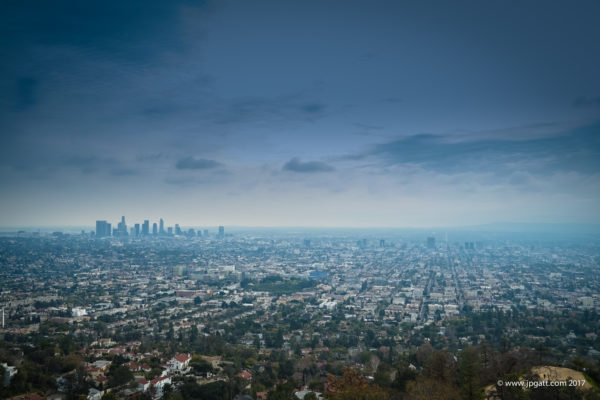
(179, 363)
(261, 395)
(158, 384)
(143, 384)
(245, 375)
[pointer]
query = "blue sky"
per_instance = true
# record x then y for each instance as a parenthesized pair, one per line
(315, 113)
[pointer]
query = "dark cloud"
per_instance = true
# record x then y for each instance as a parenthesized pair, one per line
(577, 150)
(129, 30)
(197, 163)
(295, 165)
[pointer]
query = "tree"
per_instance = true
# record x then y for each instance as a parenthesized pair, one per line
(310, 396)
(429, 389)
(200, 365)
(119, 376)
(352, 386)
(468, 374)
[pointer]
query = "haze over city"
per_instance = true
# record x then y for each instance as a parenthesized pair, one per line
(300, 114)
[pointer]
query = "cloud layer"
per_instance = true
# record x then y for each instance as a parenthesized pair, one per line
(231, 112)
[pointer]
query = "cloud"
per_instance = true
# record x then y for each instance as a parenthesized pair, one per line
(575, 150)
(295, 165)
(197, 163)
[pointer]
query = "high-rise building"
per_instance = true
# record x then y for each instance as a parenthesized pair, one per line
(122, 227)
(221, 232)
(431, 242)
(382, 243)
(102, 228)
(170, 231)
(161, 228)
(177, 229)
(154, 229)
(146, 228)
(206, 233)
(137, 229)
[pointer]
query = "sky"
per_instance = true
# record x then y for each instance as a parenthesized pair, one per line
(299, 113)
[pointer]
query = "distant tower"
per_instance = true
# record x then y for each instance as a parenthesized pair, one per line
(146, 228)
(154, 229)
(161, 227)
(102, 229)
(122, 227)
(431, 242)
(221, 232)
(137, 229)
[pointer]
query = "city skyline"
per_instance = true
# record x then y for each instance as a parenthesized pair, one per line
(314, 114)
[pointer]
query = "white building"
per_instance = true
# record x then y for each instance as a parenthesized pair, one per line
(78, 312)
(179, 363)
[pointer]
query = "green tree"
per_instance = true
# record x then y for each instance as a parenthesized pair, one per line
(468, 374)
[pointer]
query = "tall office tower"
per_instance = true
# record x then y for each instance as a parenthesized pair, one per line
(146, 228)
(170, 231)
(221, 232)
(154, 229)
(431, 242)
(199, 233)
(206, 233)
(177, 229)
(137, 229)
(161, 228)
(122, 227)
(102, 229)
(108, 229)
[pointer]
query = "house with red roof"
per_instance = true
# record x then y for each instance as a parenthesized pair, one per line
(159, 383)
(179, 363)
(245, 375)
